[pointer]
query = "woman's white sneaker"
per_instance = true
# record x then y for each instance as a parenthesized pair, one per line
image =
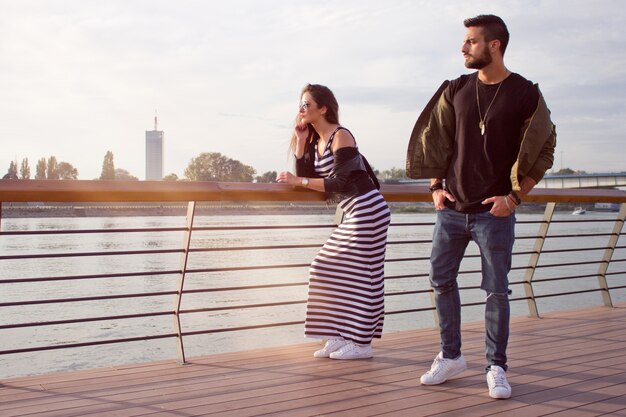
(442, 369)
(353, 351)
(330, 346)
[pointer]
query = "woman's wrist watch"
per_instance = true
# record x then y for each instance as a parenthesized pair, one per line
(305, 182)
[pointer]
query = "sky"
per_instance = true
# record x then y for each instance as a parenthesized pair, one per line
(79, 78)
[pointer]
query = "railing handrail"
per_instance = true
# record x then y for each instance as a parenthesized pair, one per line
(162, 191)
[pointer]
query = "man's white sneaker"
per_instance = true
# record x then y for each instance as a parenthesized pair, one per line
(330, 346)
(353, 351)
(442, 369)
(498, 385)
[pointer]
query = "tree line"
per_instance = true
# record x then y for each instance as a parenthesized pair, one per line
(45, 169)
(208, 166)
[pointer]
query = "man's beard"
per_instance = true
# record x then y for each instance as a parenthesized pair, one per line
(481, 61)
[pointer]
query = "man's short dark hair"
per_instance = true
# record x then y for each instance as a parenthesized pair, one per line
(493, 28)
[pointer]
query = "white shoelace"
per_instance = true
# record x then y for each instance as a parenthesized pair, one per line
(438, 365)
(499, 378)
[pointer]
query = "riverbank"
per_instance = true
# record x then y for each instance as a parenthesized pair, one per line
(34, 210)
(15, 210)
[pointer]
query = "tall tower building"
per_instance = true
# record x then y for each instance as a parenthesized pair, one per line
(154, 153)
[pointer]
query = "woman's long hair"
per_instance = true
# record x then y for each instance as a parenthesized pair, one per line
(323, 97)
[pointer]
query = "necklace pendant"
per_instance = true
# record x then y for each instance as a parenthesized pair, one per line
(481, 125)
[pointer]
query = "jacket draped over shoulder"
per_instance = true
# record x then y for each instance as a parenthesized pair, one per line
(432, 142)
(351, 174)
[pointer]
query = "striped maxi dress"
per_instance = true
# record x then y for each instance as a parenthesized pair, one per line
(346, 282)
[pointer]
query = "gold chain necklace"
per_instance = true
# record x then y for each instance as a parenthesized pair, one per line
(481, 123)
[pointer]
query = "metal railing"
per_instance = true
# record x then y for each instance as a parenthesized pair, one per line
(178, 263)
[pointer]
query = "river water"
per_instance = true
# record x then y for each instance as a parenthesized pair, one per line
(404, 242)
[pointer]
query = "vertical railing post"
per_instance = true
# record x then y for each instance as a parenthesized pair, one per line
(191, 208)
(608, 254)
(533, 311)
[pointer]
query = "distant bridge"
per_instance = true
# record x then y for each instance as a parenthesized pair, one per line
(608, 180)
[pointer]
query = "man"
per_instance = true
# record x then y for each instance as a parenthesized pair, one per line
(484, 140)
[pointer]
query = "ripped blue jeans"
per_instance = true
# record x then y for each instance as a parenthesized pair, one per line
(494, 236)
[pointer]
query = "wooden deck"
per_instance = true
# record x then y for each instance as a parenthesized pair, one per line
(568, 363)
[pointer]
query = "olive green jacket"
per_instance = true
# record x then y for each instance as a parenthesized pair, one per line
(432, 142)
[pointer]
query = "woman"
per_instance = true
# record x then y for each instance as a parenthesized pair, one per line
(346, 285)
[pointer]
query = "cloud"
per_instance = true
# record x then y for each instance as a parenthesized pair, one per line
(83, 77)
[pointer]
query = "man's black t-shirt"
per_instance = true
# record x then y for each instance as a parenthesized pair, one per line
(481, 164)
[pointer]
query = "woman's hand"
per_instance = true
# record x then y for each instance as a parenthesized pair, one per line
(301, 131)
(288, 177)
(316, 184)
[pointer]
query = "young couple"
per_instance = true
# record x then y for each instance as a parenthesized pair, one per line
(484, 140)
